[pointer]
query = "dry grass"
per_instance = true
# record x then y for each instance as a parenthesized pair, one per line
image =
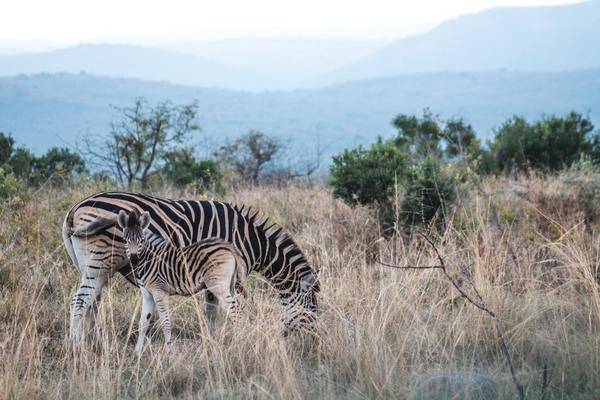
(533, 260)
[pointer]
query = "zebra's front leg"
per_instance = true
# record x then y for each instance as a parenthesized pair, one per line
(89, 291)
(164, 315)
(147, 309)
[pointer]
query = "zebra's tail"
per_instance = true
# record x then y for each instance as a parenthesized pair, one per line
(94, 227)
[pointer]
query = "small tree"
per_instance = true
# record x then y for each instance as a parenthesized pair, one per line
(22, 163)
(419, 137)
(460, 140)
(140, 138)
(250, 155)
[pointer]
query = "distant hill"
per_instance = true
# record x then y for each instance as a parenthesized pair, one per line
(289, 62)
(126, 61)
(243, 64)
(554, 38)
(46, 110)
(532, 38)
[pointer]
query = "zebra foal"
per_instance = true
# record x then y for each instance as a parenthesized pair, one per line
(162, 270)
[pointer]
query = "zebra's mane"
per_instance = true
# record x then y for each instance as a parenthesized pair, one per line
(259, 220)
(272, 231)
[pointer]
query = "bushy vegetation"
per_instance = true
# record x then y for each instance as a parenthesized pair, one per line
(550, 144)
(183, 169)
(368, 176)
(56, 165)
(430, 160)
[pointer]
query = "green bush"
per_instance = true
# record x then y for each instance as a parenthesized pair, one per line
(10, 186)
(549, 144)
(428, 192)
(367, 176)
(57, 164)
(183, 169)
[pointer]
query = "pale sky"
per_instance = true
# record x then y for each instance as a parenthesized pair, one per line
(119, 20)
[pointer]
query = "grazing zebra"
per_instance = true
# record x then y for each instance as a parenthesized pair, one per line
(162, 269)
(97, 247)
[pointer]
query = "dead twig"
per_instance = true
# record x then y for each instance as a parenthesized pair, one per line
(409, 267)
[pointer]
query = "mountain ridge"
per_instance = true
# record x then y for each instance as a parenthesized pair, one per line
(49, 110)
(516, 38)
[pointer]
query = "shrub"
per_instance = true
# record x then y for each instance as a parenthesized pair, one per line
(9, 185)
(550, 144)
(428, 191)
(183, 169)
(361, 176)
(57, 164)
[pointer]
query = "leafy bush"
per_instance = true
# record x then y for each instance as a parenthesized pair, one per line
(428, 192)
(549, 144)
(182, 168)
(361, 176)
(57, 164)
(9, 185)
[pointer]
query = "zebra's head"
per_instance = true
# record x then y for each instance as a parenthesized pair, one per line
(301, 305)
(133, 225)
(309, 288)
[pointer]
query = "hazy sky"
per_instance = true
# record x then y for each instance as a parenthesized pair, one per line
(82, 20)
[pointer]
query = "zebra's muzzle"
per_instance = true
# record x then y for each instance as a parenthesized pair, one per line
(134, 259)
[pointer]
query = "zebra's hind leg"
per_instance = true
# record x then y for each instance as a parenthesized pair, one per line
(219, 298)
(211, 308)
(220, 294)
(88, 293)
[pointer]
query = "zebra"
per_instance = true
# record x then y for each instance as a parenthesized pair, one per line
(161, 270)
(97, 248)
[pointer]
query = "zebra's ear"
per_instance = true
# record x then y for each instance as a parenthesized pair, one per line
(145, 220)
(122, 219)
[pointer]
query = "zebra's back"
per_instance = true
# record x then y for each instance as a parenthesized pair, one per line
(264, 248)
(185, 271)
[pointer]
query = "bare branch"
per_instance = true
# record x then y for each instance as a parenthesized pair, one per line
(479, 303)
(410, 267)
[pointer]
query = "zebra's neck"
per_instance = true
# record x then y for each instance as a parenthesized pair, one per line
(148, 252)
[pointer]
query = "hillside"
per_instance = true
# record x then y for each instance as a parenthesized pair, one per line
(289, 62)
(531, 38)
(45, 110)
(127, 61)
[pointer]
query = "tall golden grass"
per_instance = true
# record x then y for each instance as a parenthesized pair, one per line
(532, 250)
